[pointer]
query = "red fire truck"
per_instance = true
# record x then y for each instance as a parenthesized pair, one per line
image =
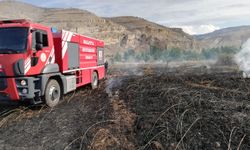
(40, 64)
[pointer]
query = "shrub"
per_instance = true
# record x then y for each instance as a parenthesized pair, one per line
(225, 60)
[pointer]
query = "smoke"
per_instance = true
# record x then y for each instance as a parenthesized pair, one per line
(111, 84)
(243, 58)
(120, 72)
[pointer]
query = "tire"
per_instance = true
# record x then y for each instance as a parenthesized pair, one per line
(52, 93)
(94, 80)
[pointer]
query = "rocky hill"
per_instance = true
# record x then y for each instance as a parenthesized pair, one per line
(119, 34)
(149, 33)
(228, 37)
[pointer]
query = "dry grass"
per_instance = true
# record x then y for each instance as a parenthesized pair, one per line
(158, 110)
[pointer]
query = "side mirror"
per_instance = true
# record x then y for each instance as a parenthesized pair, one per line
(39, 47)
(39, 38)
(39, 41)
(34, 61)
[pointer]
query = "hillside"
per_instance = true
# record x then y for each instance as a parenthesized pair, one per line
(114, 31)
(154, 34)
(228, 37)
(75, 20)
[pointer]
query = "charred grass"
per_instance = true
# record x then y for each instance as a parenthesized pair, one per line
(146, 108)
(194, 110)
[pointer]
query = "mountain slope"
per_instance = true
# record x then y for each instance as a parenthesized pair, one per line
(75, 20)
(228, 37)
(117, 32)
(155, 34)
(14, 10)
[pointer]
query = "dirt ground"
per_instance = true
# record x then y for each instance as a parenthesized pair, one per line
(139, 107)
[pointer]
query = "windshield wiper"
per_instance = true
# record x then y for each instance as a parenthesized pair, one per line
(8, 51)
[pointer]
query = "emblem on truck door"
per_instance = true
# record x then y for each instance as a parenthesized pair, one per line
(43, 57)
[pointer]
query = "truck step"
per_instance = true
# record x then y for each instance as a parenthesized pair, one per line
(36, 101)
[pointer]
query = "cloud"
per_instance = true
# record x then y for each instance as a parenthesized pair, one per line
(201, 29)
(222, 13)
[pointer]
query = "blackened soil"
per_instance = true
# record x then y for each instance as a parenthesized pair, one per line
(147, 108)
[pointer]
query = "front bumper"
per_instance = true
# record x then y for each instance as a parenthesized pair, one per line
(10, 91)
(16, 92)
(4, 96)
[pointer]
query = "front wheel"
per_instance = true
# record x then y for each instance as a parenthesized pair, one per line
(52, 93)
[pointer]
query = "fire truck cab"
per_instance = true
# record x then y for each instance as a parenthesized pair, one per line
(40, 64)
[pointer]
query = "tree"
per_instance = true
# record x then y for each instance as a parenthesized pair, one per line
(175, 54)
(128, 55)
(117, 57)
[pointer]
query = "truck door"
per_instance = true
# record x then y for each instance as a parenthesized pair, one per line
(40, 58)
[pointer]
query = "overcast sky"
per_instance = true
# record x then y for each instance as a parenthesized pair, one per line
(194, 16)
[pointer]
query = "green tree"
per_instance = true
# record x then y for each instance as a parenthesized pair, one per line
(129, 54)
(145, 56)
(229, 50)
(175, 54)
(210, 53)
(117, 57)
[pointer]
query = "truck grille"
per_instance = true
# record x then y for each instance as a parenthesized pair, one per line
(3, 82)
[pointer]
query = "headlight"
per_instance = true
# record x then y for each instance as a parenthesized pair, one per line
(24, 91)
(23, 82)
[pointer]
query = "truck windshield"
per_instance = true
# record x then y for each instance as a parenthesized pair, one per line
(13, 40)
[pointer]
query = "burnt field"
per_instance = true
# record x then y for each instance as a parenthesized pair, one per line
(143, 107)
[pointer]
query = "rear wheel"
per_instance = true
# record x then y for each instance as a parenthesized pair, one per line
(52, 93)
(94, 82)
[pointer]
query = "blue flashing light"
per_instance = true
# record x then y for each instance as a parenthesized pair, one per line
(53, 30)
